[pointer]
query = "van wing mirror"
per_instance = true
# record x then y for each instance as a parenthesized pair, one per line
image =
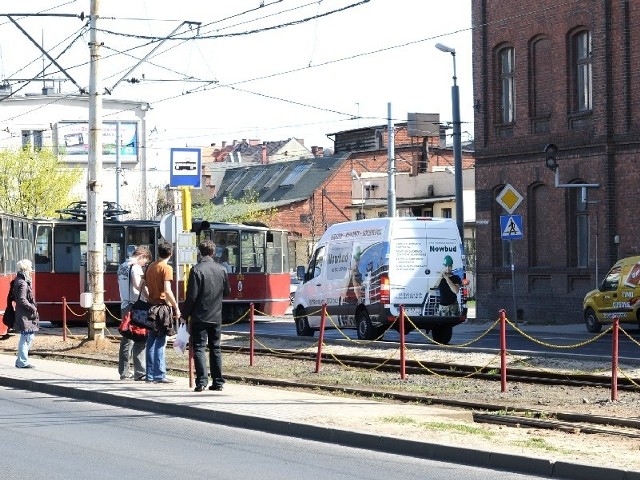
(300, 272)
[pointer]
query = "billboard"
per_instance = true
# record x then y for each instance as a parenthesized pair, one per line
(72, 140)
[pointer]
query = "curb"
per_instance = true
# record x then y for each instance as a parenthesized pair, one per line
(429, 451)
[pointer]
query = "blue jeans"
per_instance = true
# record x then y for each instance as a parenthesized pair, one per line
(156, 364)
(26, 339)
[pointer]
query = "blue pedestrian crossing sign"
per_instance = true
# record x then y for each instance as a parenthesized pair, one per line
(511, 227)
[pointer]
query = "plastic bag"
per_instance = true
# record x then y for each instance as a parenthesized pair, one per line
(182, 339)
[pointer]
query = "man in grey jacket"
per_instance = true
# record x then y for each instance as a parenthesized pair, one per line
(207, 284)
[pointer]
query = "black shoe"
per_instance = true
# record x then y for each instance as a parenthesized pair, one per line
(141, 378)
(200, 388)
(215, 388)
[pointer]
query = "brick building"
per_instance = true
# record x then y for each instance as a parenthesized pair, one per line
(311, 194)
(565, 74)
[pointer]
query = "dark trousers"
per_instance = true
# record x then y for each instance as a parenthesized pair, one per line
(203, 335)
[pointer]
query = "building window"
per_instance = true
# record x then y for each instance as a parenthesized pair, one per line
(583, 70)
(446, 213)
(507, 85)
(578, 243)
(32, 139)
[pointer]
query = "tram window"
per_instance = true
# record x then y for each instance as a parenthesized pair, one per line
(140, 236)
(43, 249)
(3, 244)
(70, 242)
(226, 249)
(113, 248)
(275, 259)
(252, 254)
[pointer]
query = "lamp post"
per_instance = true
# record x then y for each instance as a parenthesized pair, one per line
(355, 176)
(457, 140)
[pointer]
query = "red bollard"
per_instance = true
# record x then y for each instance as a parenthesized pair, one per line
(64, 319)
(323, 316)
(252, 334)
(403, 360)
(614, 358)
(503, 350)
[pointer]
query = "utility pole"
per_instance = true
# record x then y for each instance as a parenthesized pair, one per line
(391, 177)
(95, 227)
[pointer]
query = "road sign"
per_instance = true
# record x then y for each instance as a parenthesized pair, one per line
(168, 227)
(511, 227)
(509, 198)
(186, 167)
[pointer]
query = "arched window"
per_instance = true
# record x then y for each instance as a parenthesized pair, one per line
(581, 71)
(578, 228)
(506, 63)
(540, 226)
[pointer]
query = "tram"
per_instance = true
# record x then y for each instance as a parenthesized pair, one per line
(255, 256)
(16, 243)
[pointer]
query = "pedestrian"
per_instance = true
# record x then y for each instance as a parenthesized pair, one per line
(207, 284)
(158, 279)
(133, 342)
(449, 286)
(27, 320)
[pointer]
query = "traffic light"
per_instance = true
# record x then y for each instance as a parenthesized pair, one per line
(550, 154)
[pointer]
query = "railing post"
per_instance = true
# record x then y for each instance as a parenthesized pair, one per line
(614, 358)
(503, 350)
(64, 319)
(252, 333)
(403, 360)
(323, 316)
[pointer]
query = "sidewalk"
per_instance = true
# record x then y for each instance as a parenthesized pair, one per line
(332, 419)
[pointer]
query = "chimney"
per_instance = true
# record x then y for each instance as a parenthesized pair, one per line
(265, 161)
(224, 143)
(317, 151)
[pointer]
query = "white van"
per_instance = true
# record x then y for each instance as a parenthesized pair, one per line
(365, 270)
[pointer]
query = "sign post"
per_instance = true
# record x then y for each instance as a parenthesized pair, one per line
(511, 229)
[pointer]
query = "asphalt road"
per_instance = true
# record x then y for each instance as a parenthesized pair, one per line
(62, 439)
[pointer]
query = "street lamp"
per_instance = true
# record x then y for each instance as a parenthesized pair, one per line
(457, 140)
(354, 175)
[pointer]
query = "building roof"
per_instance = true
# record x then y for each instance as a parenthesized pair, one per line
(283, 183)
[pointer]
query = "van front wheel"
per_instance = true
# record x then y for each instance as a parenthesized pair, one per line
(592, 322)
(365, 328)
(302, 324)
(442, 334)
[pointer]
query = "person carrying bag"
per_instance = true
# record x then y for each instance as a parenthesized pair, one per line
(134, 338)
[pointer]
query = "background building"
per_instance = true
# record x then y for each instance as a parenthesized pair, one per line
(564, 74)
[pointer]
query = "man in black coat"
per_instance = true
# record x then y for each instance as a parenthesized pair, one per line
(207, 284)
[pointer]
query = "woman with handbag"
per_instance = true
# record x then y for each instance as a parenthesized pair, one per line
(134, 339)
(27, 320)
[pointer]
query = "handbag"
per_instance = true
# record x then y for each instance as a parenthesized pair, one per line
(140, 314)
(9, 316)
(128, 330)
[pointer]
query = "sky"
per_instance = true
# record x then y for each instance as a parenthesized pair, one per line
(254, 69)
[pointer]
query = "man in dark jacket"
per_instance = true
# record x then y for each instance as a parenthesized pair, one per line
(207, 284)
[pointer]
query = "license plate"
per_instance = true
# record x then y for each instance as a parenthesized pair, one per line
(413, 310)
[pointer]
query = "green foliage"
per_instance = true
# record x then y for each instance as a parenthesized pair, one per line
(35, 184)
(246, 209)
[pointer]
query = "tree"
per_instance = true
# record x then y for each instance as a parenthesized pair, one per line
(35, 183)
(246, 209)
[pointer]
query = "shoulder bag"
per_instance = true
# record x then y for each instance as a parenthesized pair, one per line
(140, 314)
